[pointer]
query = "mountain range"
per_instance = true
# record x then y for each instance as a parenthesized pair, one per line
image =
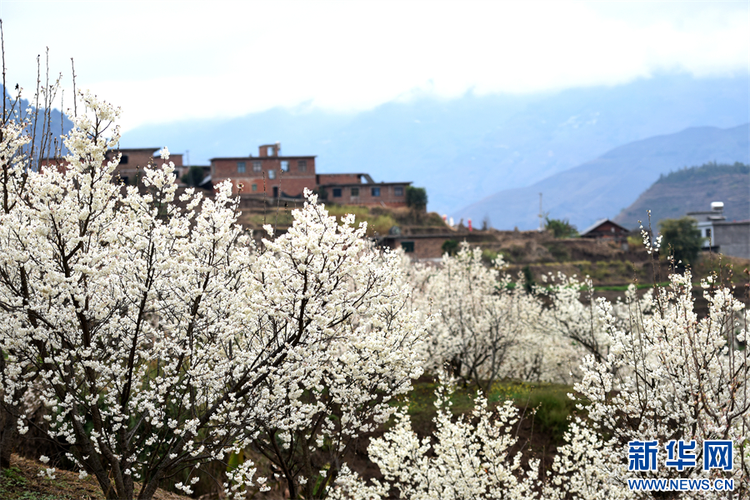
(58, 123)
(472, 147)
(602, 187)
(693, 190)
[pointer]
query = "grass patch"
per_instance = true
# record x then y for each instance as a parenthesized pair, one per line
(550, 401)
(559, 252)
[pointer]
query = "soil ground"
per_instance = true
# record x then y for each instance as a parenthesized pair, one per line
(23, 482)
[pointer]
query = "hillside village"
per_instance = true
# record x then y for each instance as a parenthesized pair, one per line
(270, 185)
(485, 250)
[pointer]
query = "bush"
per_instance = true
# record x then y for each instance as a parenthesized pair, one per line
(561, 228)
(451, 247)
(416, 198)
(682, 238)
(194, 176)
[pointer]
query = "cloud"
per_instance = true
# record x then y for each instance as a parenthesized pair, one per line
(163, 61)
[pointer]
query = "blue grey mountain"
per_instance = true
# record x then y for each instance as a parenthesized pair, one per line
(471, 147)
(693, 190)
(603, 187)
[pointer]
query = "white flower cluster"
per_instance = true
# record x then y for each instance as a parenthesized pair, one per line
(668, 376)
(489, 327)
(466, 459)
(485, 327)
(166, 340)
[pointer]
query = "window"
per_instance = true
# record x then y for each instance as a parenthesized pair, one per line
(255, 187)
(269, 151)
(337, 192)
(284, 166)
(355, 191)
(271, 174)
(398, 191)
(302, 165)
(257, 166)
(408, 246)
(240, 167)
(375, 191)
(124, 160)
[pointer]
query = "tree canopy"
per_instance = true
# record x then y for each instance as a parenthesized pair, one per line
(682, 238)
(561, 228)
(416, 198)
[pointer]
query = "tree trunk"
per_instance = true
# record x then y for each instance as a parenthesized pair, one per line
(7, 435)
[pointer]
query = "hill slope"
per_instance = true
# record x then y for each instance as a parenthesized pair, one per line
(690, 190)
(467, 148)
(604, 186)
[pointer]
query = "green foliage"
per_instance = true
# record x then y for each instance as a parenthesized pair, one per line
(551, 403)
(416, 198)
(194, 176)
(376, 223)
(451, 247)
(706, 171)
(552, 411)
(561, 228)
(13, 477)
(489, 256)
(682, 238)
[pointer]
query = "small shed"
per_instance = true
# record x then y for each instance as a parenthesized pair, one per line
(607, 230)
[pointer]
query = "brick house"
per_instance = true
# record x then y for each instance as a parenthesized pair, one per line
(268, 174)
(389, 194)
(131, 161)
(134, 159)
(275, 176)
(606, 230)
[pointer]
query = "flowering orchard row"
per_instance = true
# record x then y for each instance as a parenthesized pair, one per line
(160, 338)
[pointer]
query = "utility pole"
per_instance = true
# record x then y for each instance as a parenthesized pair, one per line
(541, 214)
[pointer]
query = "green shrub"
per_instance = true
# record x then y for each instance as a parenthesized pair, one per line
(416, 198)
(681, 238)
(561, 228)
(451, 247)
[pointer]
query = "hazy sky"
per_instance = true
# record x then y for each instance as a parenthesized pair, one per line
(164, 61)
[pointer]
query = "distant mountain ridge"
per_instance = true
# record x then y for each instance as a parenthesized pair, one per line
(465, 149)
(692, 190)
(59, 122)
(604, 186)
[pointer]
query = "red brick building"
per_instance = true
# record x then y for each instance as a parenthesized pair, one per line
(131, 161)
(275, 176)
(135, 159)
(389, 194)
(268, 174)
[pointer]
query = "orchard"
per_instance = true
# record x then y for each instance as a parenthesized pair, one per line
(160, 338)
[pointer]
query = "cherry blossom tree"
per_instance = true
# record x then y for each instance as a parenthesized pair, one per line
(465, 458)
(341, 312)
(160, 339)
(483, 321)
(669, 376)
